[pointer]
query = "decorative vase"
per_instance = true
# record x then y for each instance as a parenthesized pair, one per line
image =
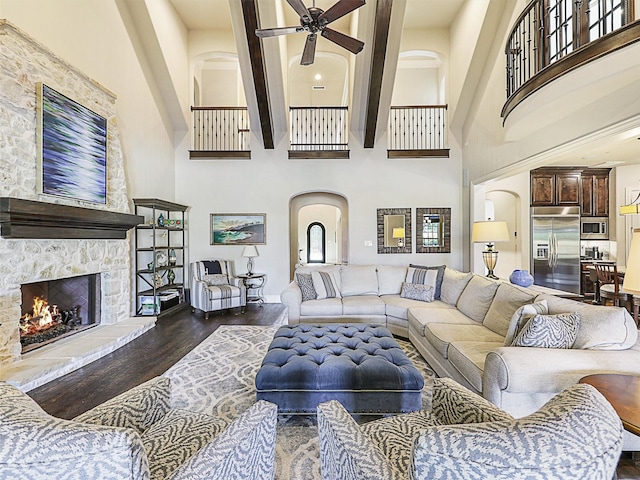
(173, 259)
(161, 220)
(171, 276)
(521, 277)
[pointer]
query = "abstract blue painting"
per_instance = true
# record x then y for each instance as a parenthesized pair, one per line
(74, 149)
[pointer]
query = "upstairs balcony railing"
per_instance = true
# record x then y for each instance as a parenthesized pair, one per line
(549, 31)
(418, 131)
(319, 132)
(221, 132)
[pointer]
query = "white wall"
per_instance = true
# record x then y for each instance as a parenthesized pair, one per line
(92, 37)
(266, 183)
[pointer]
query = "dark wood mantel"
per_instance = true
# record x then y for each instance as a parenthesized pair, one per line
(21, 218)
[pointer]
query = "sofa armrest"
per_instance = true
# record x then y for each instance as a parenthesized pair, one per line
(245, 449)
(291, 297)
(454, 404)
(138, 408)
(528, 370)
(37, 445)
(346, 453)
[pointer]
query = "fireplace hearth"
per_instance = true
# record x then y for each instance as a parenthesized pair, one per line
(55, 309)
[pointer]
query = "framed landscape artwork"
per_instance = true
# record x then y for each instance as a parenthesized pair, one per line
(238, 228)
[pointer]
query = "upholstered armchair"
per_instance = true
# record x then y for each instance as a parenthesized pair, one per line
(135, 436)
(213, 287)
(576, 435)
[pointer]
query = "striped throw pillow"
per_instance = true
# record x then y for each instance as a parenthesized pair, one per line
(325, 285)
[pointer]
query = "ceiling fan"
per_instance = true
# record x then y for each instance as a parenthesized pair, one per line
(314, 20)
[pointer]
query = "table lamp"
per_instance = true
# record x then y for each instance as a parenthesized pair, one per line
(490, 232)
(398, 233)
(249, 252)
(631, 281)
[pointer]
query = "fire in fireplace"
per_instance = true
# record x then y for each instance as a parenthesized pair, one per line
(58, 308)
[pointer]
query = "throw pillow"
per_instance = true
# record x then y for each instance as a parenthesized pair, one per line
(521, 316)
(416, 291)
(440, 275)
(325, 285)
(549, 331)
(422, 276)
(216, 279)
(508, 299)
(305, 282)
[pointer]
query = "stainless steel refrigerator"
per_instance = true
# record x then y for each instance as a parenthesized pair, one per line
(555, 247)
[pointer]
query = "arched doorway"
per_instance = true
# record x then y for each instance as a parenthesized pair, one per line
(330, 209)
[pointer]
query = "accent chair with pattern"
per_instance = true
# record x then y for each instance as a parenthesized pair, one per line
(134, 436)
(575, 435)
(213, 287)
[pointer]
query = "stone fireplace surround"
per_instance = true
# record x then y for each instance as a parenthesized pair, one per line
(23, 260)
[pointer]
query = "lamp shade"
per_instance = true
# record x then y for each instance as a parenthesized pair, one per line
(632, 275)
(250, 251)
(490, 232)
(398, 232)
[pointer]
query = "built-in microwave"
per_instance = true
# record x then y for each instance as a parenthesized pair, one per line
(594, 228)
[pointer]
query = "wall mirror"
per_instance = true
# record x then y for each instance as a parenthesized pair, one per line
(394, 230)
(433, 233)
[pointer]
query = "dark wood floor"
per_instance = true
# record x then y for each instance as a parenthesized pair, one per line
(154, 352)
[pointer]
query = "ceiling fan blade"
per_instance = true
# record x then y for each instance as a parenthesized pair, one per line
(309, 53)
(301, 9)
(273, 32)
(339, 9)
(345, 41)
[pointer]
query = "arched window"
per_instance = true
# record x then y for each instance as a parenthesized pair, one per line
(315, 243)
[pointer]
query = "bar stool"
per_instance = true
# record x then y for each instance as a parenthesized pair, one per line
(609, 281)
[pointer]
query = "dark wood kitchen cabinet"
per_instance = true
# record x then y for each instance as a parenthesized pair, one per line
(595, 193)
(555, 186)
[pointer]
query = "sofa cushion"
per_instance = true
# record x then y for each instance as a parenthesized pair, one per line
(420, 317)
(601, 328)
(417, 291)
(390, 279)
(358, 280)
(468, 358)
(440, 275)
(177, 437)
(605, 328)
(305, 282)
(398, 307)
(321, 308)
(441, 335)
(453, 283)
(325, 285)
(476, 297)
(522, 316)
(507, 300)
(549, 331)
(363, 305)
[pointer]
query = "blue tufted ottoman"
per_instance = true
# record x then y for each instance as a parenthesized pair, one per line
(361, 366)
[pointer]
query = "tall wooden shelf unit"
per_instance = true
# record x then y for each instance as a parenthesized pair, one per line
(153, 243)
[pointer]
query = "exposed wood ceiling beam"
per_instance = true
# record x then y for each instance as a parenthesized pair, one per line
(256, 57)
(379, 52)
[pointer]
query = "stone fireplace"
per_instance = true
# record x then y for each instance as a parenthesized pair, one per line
(45, 238)
(56, 309)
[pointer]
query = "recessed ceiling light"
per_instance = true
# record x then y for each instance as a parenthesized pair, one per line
(318, 76)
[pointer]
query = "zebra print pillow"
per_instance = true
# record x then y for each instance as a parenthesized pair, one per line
(305, 282)
(549, 331)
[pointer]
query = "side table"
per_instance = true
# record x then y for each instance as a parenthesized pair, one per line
(254, 283)
(623, 393)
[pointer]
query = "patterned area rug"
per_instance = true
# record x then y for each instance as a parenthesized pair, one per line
(217, 378)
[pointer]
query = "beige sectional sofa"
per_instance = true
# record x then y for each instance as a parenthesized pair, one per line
(466, 334)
